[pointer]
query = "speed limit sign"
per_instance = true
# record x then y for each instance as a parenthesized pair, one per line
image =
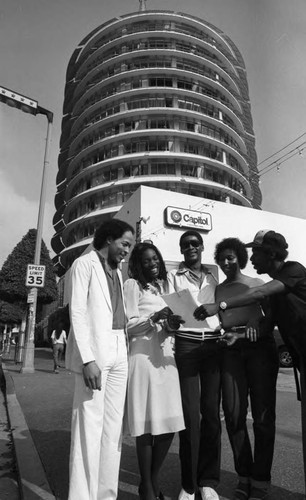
(35, 276)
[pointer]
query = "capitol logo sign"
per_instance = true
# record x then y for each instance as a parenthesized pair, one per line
(181, 217)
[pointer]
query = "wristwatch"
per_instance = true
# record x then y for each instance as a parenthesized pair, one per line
(222, 306)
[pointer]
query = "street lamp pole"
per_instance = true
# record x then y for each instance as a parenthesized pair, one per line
(28, 357)
(29, 105)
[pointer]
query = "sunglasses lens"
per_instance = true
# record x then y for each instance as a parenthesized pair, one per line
(192, 243)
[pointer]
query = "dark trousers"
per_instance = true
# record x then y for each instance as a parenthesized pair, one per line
(299, 356)
(250, 369)
(303, 409)
(198, 365)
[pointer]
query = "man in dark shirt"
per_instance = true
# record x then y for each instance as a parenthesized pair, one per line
(287, 292)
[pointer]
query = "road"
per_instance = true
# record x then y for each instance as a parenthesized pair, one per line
(48, 410)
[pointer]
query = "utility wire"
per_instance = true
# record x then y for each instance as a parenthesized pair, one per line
(280, 150)
(278, 164)
(297, 149)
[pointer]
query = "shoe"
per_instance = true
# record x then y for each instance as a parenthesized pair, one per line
(208, 493)
(185, 496)
(242, 491)
(56, 371)
(259, 494)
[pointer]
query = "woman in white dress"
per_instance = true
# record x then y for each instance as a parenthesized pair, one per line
(154, 409)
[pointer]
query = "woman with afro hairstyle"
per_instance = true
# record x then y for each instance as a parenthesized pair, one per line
(249, 369)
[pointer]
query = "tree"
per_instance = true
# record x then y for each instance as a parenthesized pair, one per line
(14, 270)
(11, 313)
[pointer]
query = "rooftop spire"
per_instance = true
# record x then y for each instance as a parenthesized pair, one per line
(142, 5)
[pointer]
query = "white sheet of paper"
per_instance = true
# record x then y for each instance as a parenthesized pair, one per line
(184, 303)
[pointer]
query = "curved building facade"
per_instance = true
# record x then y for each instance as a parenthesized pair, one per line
(154, 98)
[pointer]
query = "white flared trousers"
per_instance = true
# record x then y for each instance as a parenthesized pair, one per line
(96, 429)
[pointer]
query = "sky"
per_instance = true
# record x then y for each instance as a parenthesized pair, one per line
(37, 39)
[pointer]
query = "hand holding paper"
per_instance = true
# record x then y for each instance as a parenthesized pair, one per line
(183, 304)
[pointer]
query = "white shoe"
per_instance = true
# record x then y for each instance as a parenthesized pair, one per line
(208, 493)
(185, 496)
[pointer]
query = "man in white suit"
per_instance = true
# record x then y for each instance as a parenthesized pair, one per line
(97, 353)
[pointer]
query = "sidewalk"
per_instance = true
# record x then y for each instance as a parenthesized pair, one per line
(32, 481)
(39, 408)
(9, 488)
(34, 407)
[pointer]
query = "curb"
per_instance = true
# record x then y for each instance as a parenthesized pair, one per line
(32, 477)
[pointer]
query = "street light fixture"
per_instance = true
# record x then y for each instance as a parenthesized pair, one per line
(27, 105)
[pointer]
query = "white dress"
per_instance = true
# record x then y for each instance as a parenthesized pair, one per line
(153, 396)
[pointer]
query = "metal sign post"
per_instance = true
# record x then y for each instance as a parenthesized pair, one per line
(28, 105)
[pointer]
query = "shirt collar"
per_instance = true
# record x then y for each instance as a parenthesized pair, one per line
(183, 269)
(105, 264)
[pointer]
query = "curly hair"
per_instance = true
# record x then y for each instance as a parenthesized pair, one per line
(135, 263)
(232, 244)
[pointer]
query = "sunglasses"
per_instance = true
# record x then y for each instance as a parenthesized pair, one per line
(192, 243)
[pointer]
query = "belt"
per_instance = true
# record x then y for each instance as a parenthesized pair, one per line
(211, 335)
(200, 336)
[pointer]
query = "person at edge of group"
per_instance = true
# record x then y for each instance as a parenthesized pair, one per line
(154, 409)
(248, 368)
(198, 364)
(287, 293)
(58, 339)
(97, 353)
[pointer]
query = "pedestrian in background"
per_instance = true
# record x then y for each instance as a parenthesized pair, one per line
(154, 409)
(198, 364)
(248, 369)
(287, 293)
(58, 339)
(97, 353)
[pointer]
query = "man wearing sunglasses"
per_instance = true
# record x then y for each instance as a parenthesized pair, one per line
(198, 363)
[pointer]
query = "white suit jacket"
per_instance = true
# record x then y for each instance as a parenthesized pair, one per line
(91, 314)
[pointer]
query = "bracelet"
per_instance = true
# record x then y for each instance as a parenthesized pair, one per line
(168, 327)
(151, 322)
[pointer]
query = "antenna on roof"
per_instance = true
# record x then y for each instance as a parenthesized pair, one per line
(142, 5)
